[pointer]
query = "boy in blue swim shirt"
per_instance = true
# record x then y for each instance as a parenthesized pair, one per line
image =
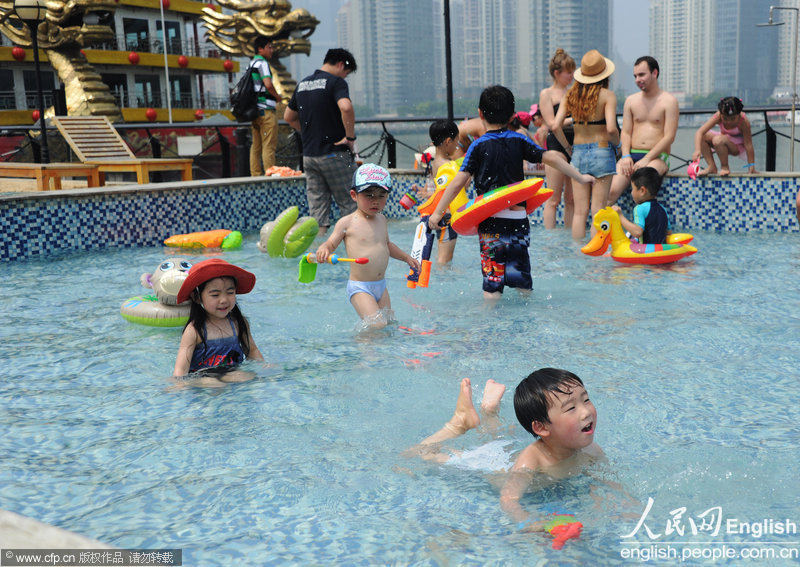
(494, 160)
(650, 221)
(365, 235)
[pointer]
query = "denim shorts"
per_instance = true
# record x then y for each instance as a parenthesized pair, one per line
(594, 160)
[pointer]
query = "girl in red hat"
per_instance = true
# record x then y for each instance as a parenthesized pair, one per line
(217, 334)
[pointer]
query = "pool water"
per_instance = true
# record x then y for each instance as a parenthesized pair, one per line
(693, 368)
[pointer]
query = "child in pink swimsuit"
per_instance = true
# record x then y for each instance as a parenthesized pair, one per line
(732, 137)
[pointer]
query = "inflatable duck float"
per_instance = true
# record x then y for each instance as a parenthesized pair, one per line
(160, 309)
(609, 231)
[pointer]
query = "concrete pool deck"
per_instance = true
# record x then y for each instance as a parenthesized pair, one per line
(21, 532)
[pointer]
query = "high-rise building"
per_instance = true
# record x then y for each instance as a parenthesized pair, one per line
(399, 45)
(786, 41)
(393, 43)
(703, 46)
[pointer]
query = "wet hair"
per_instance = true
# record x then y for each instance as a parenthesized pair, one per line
(515, 123)
(497, 104)
(561, 61)
(652, 64)
(649, 178)
(582, 98)
(198, 317)
(533, 396)
(261, 42)
(339, 55)
(441, 130)
(730, 106)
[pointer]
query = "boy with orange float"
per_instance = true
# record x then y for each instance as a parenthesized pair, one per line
(494, 160)
(365, 234)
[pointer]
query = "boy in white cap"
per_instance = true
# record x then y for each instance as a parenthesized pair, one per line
(365, 234)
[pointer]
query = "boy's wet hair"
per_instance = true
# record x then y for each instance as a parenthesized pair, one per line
(533, 395)
(497, 104)
(261, 42)
(730, 106)
(652, 64)
(339, 55)
(441, 130)
(649, 178)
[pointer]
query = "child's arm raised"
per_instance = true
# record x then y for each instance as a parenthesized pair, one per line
(334, 240)
(185, 351)
(457, 184)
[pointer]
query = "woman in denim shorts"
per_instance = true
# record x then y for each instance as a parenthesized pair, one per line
(594, 113)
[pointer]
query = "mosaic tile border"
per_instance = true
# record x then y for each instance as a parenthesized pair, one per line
(36, 225)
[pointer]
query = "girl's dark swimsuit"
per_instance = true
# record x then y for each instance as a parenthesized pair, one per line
(552, 141)
(217, 352)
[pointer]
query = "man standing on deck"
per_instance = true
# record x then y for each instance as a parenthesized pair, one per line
(649, 125)
(264, 129)
(323, 113)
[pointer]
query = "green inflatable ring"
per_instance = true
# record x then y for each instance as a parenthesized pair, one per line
(287, 236)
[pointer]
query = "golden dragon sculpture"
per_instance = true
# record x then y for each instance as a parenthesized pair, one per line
(62, 35)
(289, 30)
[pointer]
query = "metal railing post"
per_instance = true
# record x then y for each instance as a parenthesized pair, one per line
(225, 153)
(772, 142)
(242, 152)
(391, 148)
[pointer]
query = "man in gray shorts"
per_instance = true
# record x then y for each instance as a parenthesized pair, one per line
(323, 113)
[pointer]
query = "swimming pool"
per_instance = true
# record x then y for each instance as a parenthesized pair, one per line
(693, 368)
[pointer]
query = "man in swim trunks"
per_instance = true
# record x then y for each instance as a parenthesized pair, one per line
(365, 234)
(649, 125)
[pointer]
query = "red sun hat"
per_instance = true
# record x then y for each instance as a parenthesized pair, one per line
(215, 268)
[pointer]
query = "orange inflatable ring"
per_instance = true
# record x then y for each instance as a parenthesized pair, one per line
(466, 219)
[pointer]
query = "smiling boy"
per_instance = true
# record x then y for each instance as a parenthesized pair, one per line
(365, 234)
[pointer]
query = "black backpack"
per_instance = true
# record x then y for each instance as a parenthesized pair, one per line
(244, 100)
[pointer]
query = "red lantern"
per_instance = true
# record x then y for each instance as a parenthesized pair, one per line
(227, 65)
(133, 57)
(165, 3)
(183, 61)
(151, 114)
(18, 53)
(199, 114)
(35, 115)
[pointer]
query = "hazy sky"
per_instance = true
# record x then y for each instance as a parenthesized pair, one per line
(631, 36)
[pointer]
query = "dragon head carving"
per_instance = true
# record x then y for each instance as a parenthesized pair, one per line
(70, 23)
(235, 33)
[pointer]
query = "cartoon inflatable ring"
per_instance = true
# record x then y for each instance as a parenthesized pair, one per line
(288, 236)
(467, 218)
(160, 308)
(148, 310)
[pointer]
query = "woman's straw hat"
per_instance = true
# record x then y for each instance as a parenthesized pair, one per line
(594, 68)
(215, 268)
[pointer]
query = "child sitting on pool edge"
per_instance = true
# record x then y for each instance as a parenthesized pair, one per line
(496, 159)
(217, 334)
(365, 234)
(733, 137)
(650, 221)
(552, 405)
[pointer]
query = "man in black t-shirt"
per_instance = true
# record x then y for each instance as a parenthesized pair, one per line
(323, 113)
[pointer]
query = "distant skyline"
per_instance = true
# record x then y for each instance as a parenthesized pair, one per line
(631, 36)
